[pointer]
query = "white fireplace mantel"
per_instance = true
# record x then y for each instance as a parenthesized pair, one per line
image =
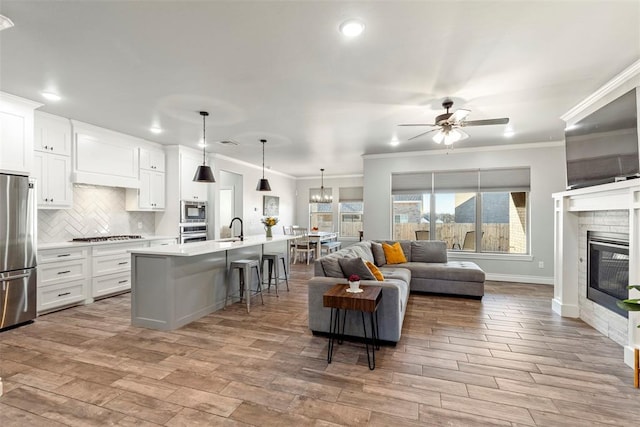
(624, 195)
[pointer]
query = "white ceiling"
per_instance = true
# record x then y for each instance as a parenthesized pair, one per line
(280, 70)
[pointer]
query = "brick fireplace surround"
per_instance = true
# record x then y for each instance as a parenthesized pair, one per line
(611, 207)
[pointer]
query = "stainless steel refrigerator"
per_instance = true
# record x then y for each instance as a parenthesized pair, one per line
(17, 251)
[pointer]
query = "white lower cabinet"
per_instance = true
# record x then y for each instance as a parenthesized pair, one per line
(111, 284)
(63, 277)
(111, 268)
(79, 274)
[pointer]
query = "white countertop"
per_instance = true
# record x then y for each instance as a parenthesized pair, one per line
(208, 246)
(69, 244)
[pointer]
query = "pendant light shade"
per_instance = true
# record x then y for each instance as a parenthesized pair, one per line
(263, 184)
(204, 172)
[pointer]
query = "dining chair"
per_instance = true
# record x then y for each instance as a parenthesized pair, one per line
(304, 245)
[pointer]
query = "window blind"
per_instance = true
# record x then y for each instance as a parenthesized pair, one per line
(419, 182)
(351, 194)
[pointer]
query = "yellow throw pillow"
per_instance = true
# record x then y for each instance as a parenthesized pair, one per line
(393, 253)
(375, 271)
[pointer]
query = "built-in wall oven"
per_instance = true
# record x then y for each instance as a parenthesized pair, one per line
(193, 221)
(193, 232)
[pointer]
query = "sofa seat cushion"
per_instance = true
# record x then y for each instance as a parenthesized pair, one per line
(460, 271)
(396, 273)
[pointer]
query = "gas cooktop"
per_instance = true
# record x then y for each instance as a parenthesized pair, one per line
(107, 238)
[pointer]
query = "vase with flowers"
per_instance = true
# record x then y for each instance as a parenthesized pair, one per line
(269, 222)
(354, 283)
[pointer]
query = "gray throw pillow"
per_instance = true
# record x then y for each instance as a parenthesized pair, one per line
(378, 254)
(428, 251)
(331, 266)
(356, 266)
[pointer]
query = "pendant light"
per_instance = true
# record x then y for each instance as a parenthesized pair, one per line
(322, 197)
(263, 184)
(204, 172)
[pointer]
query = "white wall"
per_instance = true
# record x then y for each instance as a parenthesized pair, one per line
(547, 163)
(302, 195)
(282, 186)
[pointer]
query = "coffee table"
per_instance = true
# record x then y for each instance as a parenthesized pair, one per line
(337, 298)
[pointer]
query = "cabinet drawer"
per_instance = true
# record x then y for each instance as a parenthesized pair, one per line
(117, 248)
(55, 296)
(108, 264)
(112, 283)
(66, 254)
(162, 242)
(61, 272)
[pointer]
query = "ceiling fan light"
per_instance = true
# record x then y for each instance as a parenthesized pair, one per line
(5, 23)
(352, 28)
(439, 137)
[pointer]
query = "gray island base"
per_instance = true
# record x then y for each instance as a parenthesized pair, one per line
(172, 286)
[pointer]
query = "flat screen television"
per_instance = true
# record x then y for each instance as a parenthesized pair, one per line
(603, 147)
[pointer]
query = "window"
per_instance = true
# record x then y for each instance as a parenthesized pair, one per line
(474, 211)
(321, 216)
(351, 211)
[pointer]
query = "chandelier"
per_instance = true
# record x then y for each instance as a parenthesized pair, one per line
(323, 196)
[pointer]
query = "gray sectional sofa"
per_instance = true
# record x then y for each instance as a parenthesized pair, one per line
(426, 270)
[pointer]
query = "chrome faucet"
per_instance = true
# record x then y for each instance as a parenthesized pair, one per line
(241, 236)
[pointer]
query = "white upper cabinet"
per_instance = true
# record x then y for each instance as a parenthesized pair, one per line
(190, 190)
(151, 159)
(52, 134)
(103, 157)
(16, 134)
(53, 180)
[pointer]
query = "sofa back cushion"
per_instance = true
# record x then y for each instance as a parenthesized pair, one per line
(394, 253)
(355, 266)
(428, 251)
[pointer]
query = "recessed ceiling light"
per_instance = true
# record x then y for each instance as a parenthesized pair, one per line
(5, 23)
(352, 28)
(394, 142)
(155, 129)
(51, 96)
(508, 133)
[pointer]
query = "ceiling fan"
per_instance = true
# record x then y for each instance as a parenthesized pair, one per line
(449, 124)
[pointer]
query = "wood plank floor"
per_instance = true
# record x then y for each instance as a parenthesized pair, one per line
(505, 360)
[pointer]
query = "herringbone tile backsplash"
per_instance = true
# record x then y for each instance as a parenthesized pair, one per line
(96, 211)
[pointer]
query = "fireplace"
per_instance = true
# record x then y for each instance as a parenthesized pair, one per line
(608, 269)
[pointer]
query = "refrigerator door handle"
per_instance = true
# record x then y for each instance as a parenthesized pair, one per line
(26, 296)
(12, 278)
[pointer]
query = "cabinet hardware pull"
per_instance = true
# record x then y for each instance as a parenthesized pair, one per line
(64, 272)
(123, 263)
(46, 147)
(46, 200)
(122, 281)
(61, 255)
(63, 294)
(51, 148)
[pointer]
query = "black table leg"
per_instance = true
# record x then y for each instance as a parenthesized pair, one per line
(334, 327)
(371, 360)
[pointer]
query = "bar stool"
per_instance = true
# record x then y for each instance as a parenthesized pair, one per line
(274, 267)
(244, 267)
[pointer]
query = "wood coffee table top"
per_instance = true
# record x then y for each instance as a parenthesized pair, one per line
(367, 301)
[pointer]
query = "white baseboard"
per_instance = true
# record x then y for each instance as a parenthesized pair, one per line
(629, 358)
(540, 280)
(565, 310)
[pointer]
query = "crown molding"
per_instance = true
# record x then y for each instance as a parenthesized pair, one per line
(625, 76)
(528, 146)
(302, 178)
(249, 165)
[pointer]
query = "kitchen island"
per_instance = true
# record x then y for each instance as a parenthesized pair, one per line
(174, 285)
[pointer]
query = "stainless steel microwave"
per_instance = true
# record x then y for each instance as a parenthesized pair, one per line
(191, 211)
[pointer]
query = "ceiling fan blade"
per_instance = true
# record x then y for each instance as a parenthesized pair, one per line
(423, 133)
(502, 121)
(417, 124)
(459, 115)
